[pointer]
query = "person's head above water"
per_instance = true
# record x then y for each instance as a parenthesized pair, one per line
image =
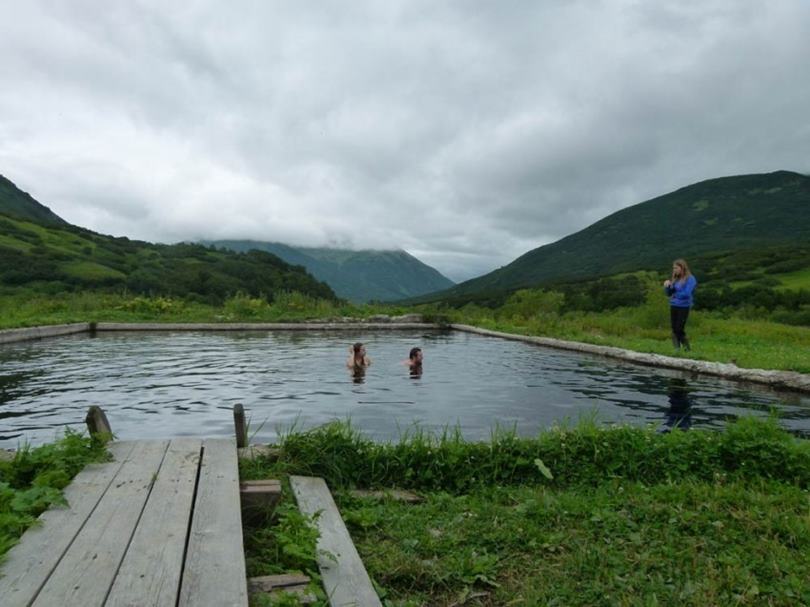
(415, 354)
(358, 356)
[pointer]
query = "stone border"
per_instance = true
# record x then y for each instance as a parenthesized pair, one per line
(776, 379)
(280, 326)
(8, 336)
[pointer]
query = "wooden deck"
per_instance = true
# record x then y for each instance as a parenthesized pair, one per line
(158, 526)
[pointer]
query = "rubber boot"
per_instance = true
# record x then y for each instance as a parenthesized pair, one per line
(686, 346)
(675, 343)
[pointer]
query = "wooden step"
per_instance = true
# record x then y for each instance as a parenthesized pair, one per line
(345, 579)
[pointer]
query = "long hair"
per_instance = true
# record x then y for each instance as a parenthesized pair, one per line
(685, 267)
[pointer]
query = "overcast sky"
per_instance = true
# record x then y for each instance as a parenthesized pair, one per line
(466, 132)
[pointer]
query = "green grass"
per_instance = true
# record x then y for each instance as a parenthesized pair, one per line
(25, 310)
(587, 454)
(794, 280)
(588, 515)
(747, 342)
(33, 480)
(283, 542)
(90, 270)
(742, 339)
(618, 544)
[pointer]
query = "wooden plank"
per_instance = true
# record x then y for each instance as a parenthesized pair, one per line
(399, 495)
(214, 572)
(345, 579)
(268, 583)
(295, 584)
(151, 570)
(85, 574)
(30, 563)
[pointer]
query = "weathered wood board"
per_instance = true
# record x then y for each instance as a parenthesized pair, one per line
(151, 571)
(345, 579)
(214, 572)
(31, 562)
(87, 570)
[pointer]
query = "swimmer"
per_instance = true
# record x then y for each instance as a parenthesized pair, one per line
(357, 357)
(415, 360)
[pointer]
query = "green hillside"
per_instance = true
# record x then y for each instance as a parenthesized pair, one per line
(358, 276)
(53, 259)
(718, 215)
(17, 203)
(41, 253)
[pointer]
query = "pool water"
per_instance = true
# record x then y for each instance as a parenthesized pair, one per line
(166, 384)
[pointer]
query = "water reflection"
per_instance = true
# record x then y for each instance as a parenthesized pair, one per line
(358, 373)
(679, 414)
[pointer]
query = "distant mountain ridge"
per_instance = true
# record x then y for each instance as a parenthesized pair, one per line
(15, 202)
(723, 214)
(359, 276)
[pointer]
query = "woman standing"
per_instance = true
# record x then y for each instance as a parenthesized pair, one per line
(680, 288)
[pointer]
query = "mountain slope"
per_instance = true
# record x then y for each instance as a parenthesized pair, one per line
(53, 256)
(724, 214)
(15, 202)
(356, 275)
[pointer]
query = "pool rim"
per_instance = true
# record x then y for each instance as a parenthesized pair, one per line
(784, 380)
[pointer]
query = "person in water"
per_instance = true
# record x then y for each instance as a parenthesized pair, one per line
(680, 288)
(414, 361)
(358, 359)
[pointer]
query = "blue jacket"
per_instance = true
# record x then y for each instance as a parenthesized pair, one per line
(681, 291)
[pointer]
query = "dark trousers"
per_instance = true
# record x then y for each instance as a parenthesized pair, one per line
(678, 317)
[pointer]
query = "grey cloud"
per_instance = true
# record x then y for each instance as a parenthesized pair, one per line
(463, 132)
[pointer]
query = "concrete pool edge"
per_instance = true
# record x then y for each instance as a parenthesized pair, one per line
(8, 336)
(267, 326)
(776, 379)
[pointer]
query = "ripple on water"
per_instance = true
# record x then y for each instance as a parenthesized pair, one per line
(157, 385)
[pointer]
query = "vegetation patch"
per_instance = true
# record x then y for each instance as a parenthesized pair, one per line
(26, 308)
(690, 543)
(34, 480)
(284, 542)
(92, 272)
(586, 515)
(586, 454)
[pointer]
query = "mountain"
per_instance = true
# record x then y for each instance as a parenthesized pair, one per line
(359, 276)
(15, 202)
(717, 215)
(44, 254)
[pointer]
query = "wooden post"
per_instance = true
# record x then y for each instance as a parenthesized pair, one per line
(97, 423)
(240, 425)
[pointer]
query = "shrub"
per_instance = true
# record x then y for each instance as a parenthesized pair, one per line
(587, 454)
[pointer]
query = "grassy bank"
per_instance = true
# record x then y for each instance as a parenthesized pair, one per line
(582, 516)
(34, 480)
(26, 310)
(739, 338)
